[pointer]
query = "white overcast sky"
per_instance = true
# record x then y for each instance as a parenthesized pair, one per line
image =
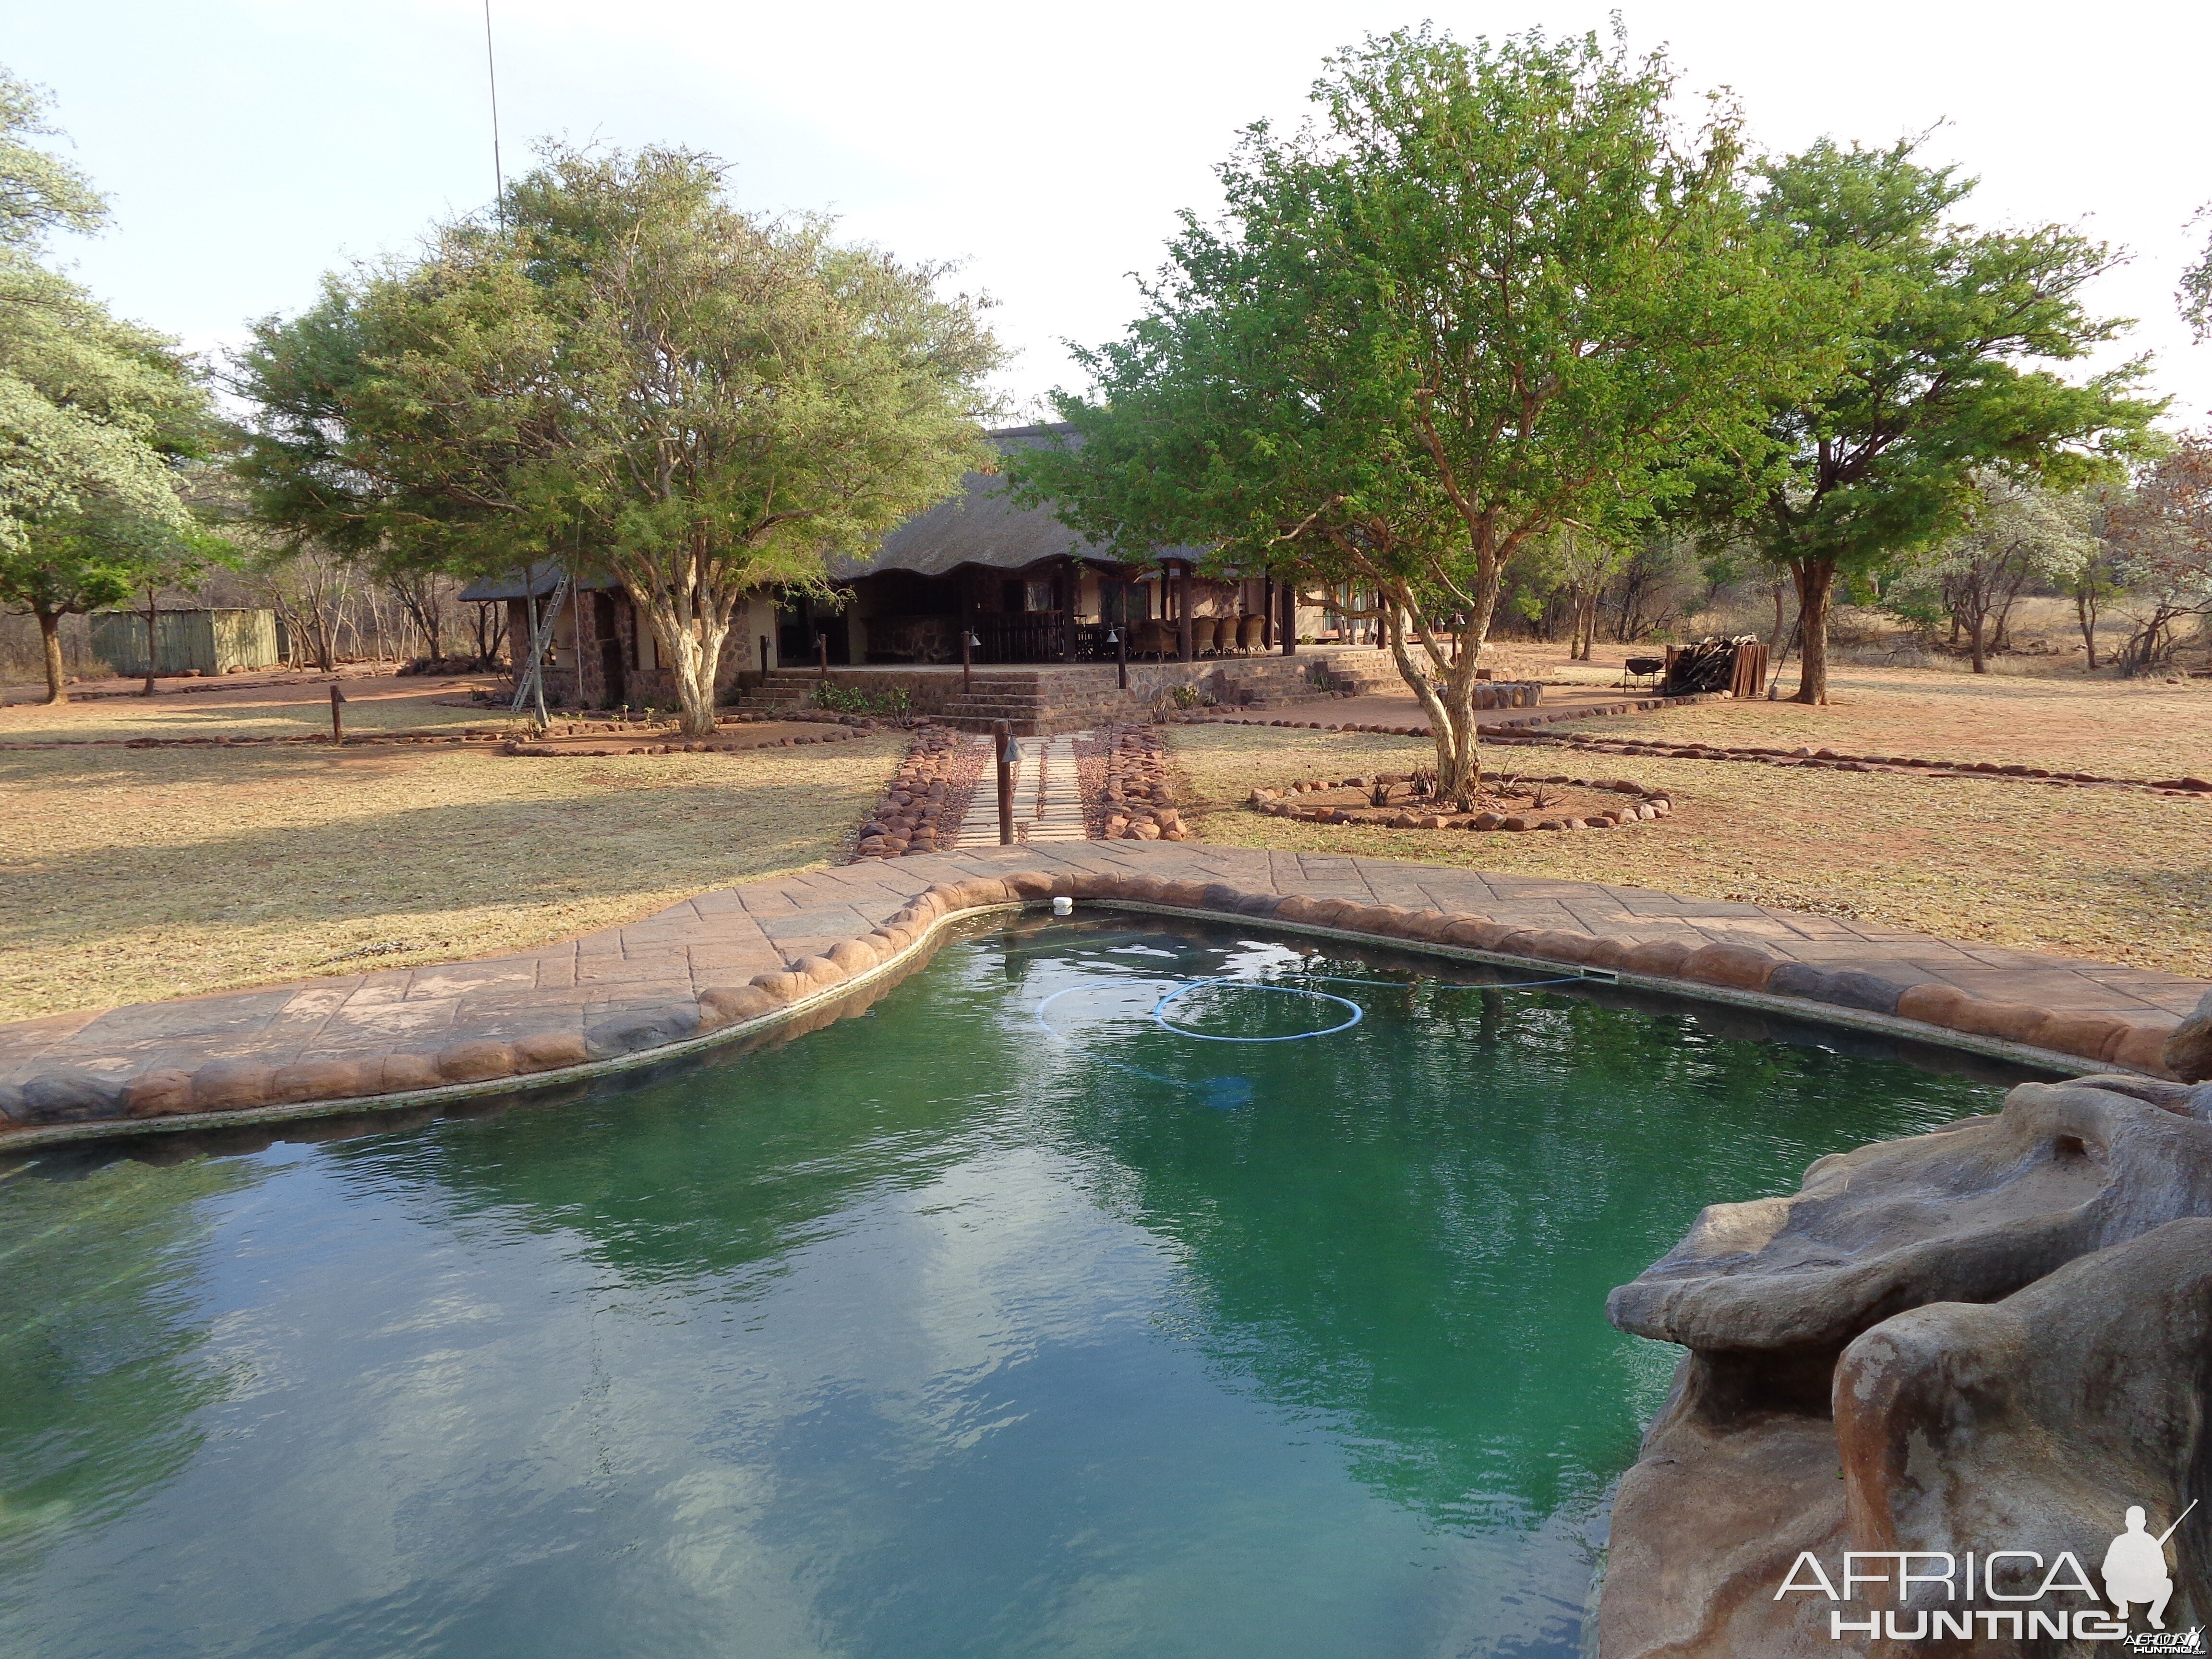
(248, 145)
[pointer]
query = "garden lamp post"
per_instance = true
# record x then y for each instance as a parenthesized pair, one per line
(1002, 740)
(968, 644)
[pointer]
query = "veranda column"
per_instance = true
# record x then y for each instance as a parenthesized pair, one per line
(1289, 625)
(1071, 588)
(1183, 653)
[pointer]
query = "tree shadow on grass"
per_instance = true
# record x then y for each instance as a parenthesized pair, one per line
(619, 832)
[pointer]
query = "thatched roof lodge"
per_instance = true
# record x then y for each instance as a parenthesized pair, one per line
(1030, 590)
(1016, 581)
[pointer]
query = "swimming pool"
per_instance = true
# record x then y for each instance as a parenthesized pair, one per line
(1018, 1314)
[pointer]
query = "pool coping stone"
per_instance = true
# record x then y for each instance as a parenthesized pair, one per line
(746, 959)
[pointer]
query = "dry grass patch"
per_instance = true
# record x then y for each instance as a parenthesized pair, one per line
(2118, 728)
(2107, 874)
(373, 702)
(133, 875)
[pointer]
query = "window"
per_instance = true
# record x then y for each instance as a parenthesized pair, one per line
(1040, 595)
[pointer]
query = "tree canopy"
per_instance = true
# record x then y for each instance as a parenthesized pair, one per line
(96, 413)
(626, 374)
(1495, 291)
(1948, 332)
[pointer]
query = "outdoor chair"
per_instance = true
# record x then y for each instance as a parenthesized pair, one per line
(1152, 639)
(1204, 636)
(1251, 633)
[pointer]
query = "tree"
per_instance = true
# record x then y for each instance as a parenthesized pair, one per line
(2097, 580)
(2010, 535)
(1494, 293)
(1944, 326)
(625, 373)
(95, 413)
(2163, 530)
(2194, 295)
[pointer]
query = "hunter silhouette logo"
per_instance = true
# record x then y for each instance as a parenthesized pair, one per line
(1929, 1585)
(2135, 1567)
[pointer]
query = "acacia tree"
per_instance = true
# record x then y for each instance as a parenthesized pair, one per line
(2010, 534)
(1943, 328)
(2163, 529)
(1494, 291)
(95, 413)
(627, 374)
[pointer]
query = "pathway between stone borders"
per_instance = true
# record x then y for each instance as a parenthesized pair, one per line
(737, 955)
(1047, 795)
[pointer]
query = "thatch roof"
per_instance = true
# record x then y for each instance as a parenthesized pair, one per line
(980, 526)
(543, 578)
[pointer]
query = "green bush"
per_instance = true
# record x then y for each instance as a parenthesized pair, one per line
(856, 699)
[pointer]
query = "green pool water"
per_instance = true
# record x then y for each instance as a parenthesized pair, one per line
(946, 1330)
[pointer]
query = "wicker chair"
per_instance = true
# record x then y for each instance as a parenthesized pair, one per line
(1152, 639)
(1204, 635)
(1251, 633)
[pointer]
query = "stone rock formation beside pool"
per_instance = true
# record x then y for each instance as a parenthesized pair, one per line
(1871, 1360)
(2188, 1052)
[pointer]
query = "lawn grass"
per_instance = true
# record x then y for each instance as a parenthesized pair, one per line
(2115, 875)
(136, 874)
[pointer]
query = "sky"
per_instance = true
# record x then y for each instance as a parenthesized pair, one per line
(248, 146)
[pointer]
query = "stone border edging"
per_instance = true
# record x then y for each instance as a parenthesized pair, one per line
(1829, 759)
(1503, 731)
(922, 807)
(222, 1092)
(549, 750)
(369, 737)
(1650, 803)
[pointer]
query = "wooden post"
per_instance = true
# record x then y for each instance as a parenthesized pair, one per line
(763, 645)
(967, 660)
(822, 652)
(1290, 628)
(1183, 653)
(1002, 741)
(338, 720)
(1268, 611)
(1121, 654)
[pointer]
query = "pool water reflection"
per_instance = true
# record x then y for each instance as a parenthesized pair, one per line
(1004, 1319)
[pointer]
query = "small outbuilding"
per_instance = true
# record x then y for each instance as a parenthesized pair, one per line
(206, 639)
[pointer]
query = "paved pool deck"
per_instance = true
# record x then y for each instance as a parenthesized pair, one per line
(751, 955)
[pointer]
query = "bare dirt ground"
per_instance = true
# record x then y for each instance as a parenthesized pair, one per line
(2111, 874)
(133, 874)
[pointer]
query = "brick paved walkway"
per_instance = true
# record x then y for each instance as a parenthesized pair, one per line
(701, 964)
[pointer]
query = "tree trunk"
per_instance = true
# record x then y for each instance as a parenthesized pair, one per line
(695, 655)
(49, 636)
(1974, 645)
(2084, 607)
(1816, 581)
(153, 644)
(1449, 705)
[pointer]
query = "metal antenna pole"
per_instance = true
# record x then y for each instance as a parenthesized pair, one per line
(491, 75)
